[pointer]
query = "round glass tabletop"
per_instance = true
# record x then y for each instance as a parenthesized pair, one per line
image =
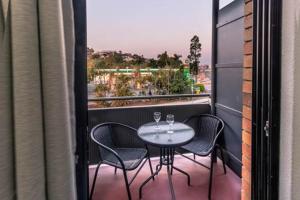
(161, 136)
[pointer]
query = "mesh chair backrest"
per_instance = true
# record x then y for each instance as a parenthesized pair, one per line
(206, 127)
(123, 137)
(103, 135)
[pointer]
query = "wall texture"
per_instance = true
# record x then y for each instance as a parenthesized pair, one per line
(290, 98)
(247, 101)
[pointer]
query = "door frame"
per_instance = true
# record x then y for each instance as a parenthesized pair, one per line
(81, 108)
(266, 98)
(266, 42)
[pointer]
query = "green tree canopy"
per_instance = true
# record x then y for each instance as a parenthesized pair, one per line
(195, 54)
(123, 86)
(163, 60)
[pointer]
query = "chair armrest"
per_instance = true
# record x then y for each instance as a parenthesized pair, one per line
(107, 148)
(219, 132)
(113, 153)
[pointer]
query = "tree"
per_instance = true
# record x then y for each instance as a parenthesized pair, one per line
(122, 89)
(161, 81)
(163, 60)
(175, 61)
(152, 63)
(123, 86)
(138, 60)
(99, 66)
(101, 90)
(179, 84)
(91, 73)
(195, 54)
(118, 57)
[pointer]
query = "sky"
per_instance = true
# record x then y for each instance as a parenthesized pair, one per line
(150, 27)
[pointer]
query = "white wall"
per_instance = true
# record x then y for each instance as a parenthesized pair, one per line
(290, 102)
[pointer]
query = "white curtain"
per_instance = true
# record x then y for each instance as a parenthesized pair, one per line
(36, 100)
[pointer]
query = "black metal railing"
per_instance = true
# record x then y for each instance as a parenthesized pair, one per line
(136, 116)
(149, 97)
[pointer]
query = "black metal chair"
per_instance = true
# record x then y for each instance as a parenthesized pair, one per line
(207, 130)
(119, 149)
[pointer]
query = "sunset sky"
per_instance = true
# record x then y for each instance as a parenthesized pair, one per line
(150, 27)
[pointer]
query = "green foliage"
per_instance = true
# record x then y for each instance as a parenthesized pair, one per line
(179, 83)
(123, 86)
(101, 90)
(168, 81)
(161, 81)
(200, 87)
(152, 63)
(91, 73)
(175, 61)
(138, 60)
(163, 60)
(100, 64)
(122, 89)
(195, 54)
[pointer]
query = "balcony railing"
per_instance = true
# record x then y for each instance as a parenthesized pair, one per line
(136, 116)
(149, 97)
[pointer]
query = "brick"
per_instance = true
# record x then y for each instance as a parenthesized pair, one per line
(246, 125)
(247, 87)
(246, 163)
(245, 195)
(248, 21)
(248, 48)
(246, 138)
(248, 61)
(247, 74)
(248, 8)
(247, 112)
(247, 99)
(246, 177)
(246, 190)
(246, 151)
(248, 34)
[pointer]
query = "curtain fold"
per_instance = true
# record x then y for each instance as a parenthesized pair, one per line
(37, 100)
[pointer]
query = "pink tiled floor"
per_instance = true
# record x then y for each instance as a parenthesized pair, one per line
(225, 187)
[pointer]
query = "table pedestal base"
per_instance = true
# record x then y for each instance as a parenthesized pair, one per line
(166, 159)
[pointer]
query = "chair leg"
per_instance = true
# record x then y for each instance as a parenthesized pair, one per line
(150, 165)
(223, 159)
(94, 181)
(127, 184)
(157, 166)
(211, 176)
(194, 156)
(116, 170)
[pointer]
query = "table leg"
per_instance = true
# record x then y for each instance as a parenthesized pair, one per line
(158, 168)
(169, 167)
(185, 173)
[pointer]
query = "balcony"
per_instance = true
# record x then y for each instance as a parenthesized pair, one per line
(225, 186)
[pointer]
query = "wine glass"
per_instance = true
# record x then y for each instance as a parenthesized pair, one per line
(157, 116)
(170, 121)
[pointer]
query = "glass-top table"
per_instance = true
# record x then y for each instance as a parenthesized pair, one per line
(167, 140)
(159, 136)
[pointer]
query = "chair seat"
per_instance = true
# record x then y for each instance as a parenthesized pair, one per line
(199, 147)
(131, 157)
